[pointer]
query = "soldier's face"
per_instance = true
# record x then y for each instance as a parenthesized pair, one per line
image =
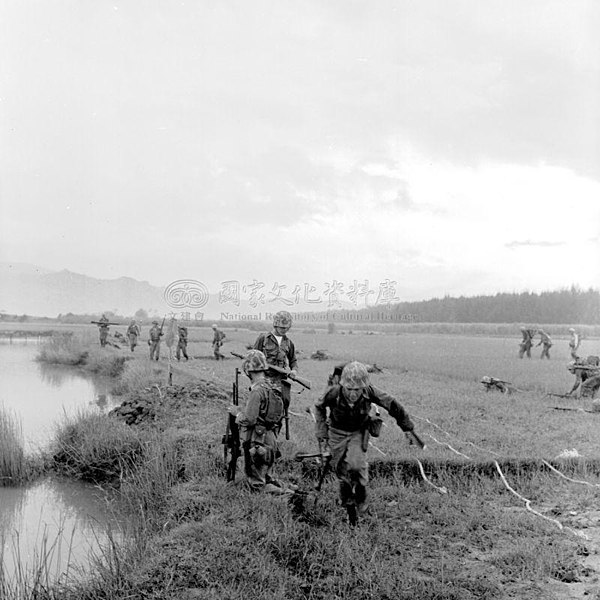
(281, 330)
(352, 394)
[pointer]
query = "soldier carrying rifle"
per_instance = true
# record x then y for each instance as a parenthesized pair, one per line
(103, 326)
(527, 341)
(260, 421)
(343, 426)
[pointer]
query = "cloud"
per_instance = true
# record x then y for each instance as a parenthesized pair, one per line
(540, 244)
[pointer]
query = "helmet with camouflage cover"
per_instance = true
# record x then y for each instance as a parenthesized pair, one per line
(354, 375)
(486, 379)
(255, 361)
(282, 319)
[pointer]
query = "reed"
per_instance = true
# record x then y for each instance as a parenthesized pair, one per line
(12, 454)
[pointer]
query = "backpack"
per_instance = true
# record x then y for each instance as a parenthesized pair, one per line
(272, 411)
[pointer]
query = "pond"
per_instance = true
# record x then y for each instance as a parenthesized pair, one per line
(63, 519)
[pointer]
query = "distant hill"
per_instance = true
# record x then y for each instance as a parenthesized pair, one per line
(27, 289)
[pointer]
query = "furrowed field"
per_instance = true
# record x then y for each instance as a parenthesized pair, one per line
(478, 514)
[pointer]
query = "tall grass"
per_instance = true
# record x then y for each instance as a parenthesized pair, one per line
(12, 453)
(89, 446)
(78, 350)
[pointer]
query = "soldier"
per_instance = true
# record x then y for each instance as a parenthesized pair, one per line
(491, 383)
(345, 430)
(574, 343)
(133, 331)
(526, 342)
(154, 341)
(583, 369)
(103, 330)
(280, 352)
(260, 421)
(218, 339)
(546, 340)
(182, 342)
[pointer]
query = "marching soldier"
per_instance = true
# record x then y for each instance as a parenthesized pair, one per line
(546, 342)
(103, 330)
(218, 339)
(154, 341)
(526, 342)
(182, 343)
(133, 331)
(574, 342)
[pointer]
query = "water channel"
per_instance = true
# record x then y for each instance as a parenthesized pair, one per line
(62, 518)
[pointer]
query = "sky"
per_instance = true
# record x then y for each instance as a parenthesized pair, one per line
(447, 147)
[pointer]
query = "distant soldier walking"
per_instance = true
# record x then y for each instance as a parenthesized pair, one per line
(526, 342)
(574, 342)
(133, 332)
(154, 341)
(546, 343)
(182, 342)
(103, 330)
(217, 342)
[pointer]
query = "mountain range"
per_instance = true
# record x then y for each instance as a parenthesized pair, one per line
(35, 291)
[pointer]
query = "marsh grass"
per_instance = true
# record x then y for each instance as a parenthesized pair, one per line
(77, 350)
(13, 467)
(91, 447)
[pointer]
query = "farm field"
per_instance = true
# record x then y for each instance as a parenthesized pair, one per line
(437, 378)
(465, 535)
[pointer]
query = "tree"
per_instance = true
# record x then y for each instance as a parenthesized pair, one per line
(141, 315)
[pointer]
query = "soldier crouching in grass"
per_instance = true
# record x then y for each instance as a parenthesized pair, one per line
(260, 421)
(343, 426)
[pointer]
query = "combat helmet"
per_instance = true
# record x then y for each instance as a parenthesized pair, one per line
(354, 375)
(255, 360)
(282, 319)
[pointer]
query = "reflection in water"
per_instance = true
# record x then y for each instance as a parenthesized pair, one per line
(42, 394)
(57, 523)
(63, 518)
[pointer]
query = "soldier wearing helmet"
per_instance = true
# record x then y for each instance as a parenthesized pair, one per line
(546, 343)
(260, 423)
(527, 341)
(155, 334)
(586, 373)
(343, 424)
(217, 342)
(133, 332)
(280, 351)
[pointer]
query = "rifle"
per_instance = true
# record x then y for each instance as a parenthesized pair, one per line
(303, 382)
(324, 464)
(103, 323)
(231, 438)
(558, 395)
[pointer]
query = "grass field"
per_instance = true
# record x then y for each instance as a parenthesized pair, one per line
(485, 519)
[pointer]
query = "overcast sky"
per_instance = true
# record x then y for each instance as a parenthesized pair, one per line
(450, 146)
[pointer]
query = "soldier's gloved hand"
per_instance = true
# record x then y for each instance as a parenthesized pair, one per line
(233, 410)
(292, 373)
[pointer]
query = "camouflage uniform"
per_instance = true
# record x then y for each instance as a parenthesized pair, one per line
(182, 342)
(280, 353)
(260, 422)
(154, 341)
(344, 427)
(133, 331)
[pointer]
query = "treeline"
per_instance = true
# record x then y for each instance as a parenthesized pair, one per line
(568, 306)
